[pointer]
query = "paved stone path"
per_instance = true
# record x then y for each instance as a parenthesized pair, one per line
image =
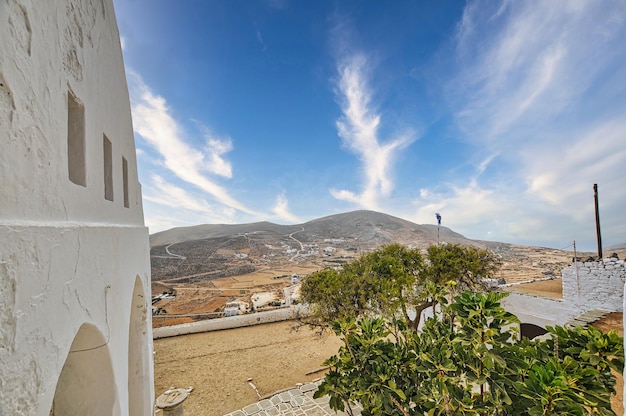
(588, 317)
(298, 401)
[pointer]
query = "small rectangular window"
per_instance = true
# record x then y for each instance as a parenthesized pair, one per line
(108, 168)
(76, 140)
(125, 181)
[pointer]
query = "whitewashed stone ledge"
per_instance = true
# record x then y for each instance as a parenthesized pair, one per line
(542, 279)
(228, 322)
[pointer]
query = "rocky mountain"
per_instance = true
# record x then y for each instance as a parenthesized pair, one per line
(202, 268)
(212, 251)
(364, 228)
(207, 252)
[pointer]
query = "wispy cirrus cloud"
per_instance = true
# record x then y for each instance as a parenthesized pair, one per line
(281, 210)
(359, 132)
(164, 193)
(214, 150)
(170, 206)
(153, 121)
(541, 86)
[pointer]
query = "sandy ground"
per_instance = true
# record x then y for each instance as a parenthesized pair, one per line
(218, 364)
(552, 288)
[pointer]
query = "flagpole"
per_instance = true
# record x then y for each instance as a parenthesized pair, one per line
(438, 216)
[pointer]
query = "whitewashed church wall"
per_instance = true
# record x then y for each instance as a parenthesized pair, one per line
(73, 241)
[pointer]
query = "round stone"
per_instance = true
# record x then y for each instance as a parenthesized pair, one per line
(171, 398)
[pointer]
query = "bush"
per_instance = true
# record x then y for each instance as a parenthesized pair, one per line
(468, 360)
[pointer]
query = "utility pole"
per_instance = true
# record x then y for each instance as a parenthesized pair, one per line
(576, 271)
(595, 197)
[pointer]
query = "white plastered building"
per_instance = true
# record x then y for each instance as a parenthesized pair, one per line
(75, 332)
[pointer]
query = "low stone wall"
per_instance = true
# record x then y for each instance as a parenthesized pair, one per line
(595, 284)
(227, 323)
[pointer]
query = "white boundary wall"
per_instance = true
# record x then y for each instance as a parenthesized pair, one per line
(586, 286)
(596, 284)
(230, 322)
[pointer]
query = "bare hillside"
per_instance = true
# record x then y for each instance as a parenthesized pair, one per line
(206, 252)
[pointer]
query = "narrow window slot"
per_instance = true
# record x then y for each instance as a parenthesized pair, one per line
(125, 181)
(76, 140)
(108, 168)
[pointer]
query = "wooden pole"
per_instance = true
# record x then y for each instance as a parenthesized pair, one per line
(595, 197)
(576, 271)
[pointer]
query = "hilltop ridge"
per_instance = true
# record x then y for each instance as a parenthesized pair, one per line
(211, 251)
(370, 227)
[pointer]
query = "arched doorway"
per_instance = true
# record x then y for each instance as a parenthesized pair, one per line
(531, 331)
(139, 400)
(86, 385)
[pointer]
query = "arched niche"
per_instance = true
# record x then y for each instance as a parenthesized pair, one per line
(139, 402)
(86, 385)
(531, 331)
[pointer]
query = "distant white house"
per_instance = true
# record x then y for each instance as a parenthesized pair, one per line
(236, 308)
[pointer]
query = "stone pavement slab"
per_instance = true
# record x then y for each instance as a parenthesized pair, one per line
(293, 402)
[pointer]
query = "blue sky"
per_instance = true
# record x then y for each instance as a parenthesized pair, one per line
(499, 115)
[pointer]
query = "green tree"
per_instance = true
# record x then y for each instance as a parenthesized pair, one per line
(394, 280)
(465, 265)
(469, 361)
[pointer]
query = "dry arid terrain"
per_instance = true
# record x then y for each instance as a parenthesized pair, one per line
(276, 356)
(218, 364)
(205, 267)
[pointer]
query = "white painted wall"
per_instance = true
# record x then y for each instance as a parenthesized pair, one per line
(229, 322)
(586, 286)
(74, 267)
(595, 285)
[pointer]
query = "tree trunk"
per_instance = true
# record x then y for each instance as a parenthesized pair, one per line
(418, 314)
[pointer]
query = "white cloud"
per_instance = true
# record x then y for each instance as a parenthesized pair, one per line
(461, 206)
(163, 193)
(281, 209)
(540, 86)
(358, 129)
(154, 123)
(259, 37)
(562, 174)
(161, 220)
(215, 148)
(530, 63)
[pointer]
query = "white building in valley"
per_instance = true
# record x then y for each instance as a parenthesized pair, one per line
(75, 333)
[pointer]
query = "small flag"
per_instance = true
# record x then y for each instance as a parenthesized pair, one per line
(438, 216)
